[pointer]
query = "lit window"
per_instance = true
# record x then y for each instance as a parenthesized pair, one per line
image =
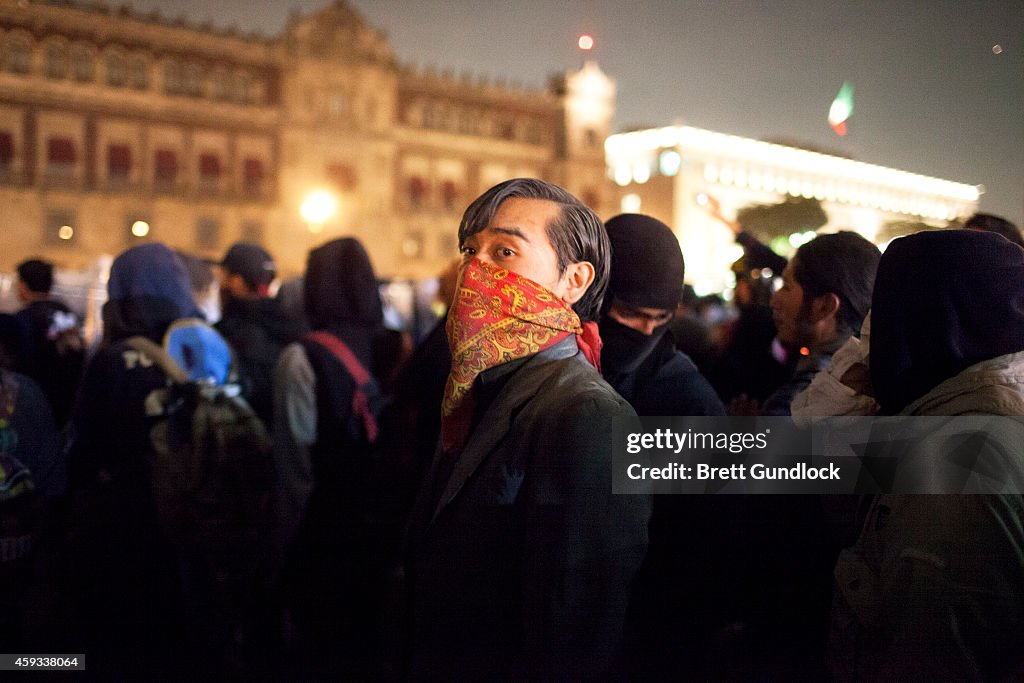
(669, 163)
(641, 172)
(623, 175)
(630, 203)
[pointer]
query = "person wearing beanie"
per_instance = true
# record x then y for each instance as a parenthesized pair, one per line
(639, 358)
(825, 294)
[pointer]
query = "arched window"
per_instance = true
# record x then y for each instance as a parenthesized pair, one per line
(83, 63)
(138, 72)
(117, 70)
(172, 77)
(56, 60)
(242, 86)
(19, 55)
(221, 85)
(193, 80)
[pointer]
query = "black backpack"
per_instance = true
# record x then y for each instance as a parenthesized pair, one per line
(210, 461)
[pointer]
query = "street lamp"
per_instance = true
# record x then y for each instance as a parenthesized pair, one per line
(318, 206)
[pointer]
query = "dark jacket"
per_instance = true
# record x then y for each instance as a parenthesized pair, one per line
(125, 579)
(258, 329)
(56, 367)
(522, 567)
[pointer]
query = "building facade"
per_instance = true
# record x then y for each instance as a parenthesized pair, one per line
(118, 127)
(669, 173)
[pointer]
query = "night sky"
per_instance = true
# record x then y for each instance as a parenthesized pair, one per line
(932, 94)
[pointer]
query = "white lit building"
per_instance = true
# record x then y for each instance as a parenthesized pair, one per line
(664, 171)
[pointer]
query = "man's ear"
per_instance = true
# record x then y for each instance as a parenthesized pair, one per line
(576, 281)
(824, 306)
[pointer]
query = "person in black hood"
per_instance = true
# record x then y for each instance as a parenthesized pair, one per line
(256, 325)
(124, 580)
(639, 358)
(321, 456)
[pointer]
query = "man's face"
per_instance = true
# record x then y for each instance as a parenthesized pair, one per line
(789, 311)
(517, 239)
(639, 318)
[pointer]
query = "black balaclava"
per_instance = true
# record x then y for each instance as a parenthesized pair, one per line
(647, 272)
(943, 301)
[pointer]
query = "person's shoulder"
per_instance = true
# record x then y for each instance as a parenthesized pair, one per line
(574, 387)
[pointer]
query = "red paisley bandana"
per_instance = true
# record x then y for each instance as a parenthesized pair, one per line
(499, 316)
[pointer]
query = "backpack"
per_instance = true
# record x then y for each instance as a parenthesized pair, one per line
(368, 402)
(210, 463)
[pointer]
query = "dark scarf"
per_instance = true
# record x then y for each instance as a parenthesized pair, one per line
(625, 349)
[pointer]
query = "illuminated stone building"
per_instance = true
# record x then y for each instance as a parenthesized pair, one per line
(666, 172)
(118, 127)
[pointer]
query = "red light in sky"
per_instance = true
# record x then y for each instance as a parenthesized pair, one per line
(586, 42)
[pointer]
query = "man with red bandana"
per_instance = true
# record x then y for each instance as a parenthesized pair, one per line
(520, 557)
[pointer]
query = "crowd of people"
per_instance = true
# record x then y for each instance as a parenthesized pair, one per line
(446, 511)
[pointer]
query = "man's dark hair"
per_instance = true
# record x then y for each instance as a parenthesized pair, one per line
(844, 264)
(989, 223)
(37, 275)
(576, 235)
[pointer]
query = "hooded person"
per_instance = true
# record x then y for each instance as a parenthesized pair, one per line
(639, 358)
(130, 603)
(947, 339)
(320, 450)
